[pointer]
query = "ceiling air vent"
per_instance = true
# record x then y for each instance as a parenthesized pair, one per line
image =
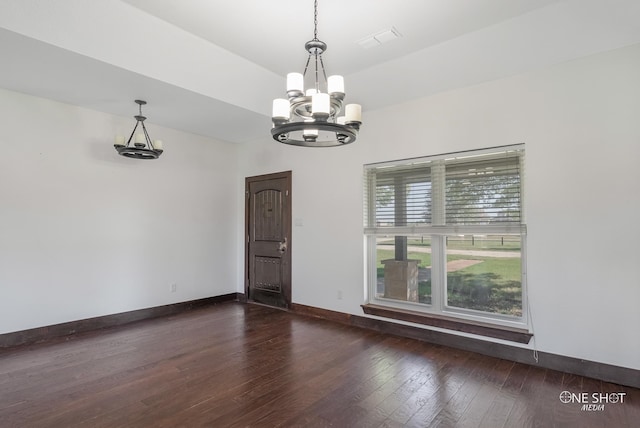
(379, 38)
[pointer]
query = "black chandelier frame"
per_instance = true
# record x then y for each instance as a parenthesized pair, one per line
(139, 150)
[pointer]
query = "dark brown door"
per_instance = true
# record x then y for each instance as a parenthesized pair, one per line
(268, 239)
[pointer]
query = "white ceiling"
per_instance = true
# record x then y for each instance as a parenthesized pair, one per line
(212, 67)
(247, 27)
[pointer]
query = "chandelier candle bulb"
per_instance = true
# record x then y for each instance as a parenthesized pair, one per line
(280, 109)
(119, 140)
(335, 84)
(310, 135)
(320, 104)
(157, 144)
(140, 138)
(353, 113)
(295, 82)
(341, 120)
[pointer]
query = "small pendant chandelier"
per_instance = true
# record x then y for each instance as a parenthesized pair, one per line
(142, 147)
(311, 118)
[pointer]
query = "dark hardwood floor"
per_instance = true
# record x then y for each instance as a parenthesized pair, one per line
(236, 365)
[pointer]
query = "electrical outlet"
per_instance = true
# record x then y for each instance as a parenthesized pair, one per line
(174, 287)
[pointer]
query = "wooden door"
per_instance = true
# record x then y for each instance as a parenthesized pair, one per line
(268, 239)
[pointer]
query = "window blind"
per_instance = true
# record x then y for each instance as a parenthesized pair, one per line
(399, 196)
(483, 191)
(454, 190)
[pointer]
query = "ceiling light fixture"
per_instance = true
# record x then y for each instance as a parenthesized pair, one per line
(309, 117)
(142, 147)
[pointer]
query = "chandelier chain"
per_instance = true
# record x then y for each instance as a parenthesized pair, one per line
(315, 20)
(324, 71)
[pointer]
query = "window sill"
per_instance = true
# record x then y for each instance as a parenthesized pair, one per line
(450, 323)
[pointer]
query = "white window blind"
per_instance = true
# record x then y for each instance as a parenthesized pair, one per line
(483, 191)
(401, 196)
(450, 191)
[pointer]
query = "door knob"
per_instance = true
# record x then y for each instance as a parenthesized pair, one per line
(282, 246)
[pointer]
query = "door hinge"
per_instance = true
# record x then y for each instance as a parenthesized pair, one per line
(286, 192)
(247, 193)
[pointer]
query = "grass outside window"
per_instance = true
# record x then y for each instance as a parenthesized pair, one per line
(483, 273)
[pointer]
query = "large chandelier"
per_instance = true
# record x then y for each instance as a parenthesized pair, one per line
(142, 147)
(310, 117)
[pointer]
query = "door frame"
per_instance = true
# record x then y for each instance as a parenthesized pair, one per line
(287, 175)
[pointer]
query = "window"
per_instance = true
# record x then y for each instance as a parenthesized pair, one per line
(445, 235)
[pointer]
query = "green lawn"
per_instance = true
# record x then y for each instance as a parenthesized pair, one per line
(494, 285)
(507, 268)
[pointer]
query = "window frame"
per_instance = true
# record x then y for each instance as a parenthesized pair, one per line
(438, 231)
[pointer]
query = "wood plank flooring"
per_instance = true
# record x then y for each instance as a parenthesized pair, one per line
(237, 365)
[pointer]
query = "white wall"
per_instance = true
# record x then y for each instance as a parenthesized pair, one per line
(85, 232)
(74, 244)
(579, 121)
